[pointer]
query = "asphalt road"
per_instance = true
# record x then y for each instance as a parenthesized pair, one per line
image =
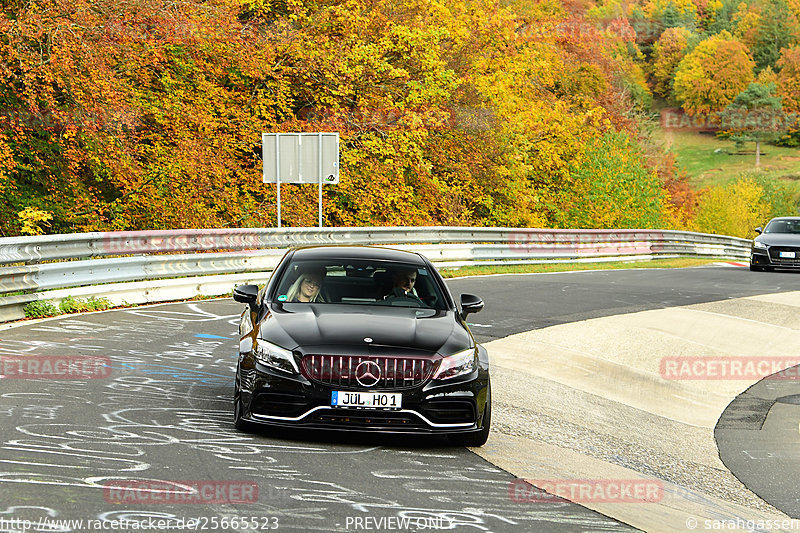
(757, 436)
(524, 302)
(162, 418)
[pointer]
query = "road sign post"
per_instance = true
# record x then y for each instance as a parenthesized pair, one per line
(300, 158)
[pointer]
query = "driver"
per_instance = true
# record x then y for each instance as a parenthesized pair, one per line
(306, 287)
(403, 281)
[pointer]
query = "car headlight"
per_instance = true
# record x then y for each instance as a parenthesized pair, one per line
(274, 356)
(760, 245)
(456, 365)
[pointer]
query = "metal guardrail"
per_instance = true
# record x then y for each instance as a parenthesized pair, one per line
(149, 266)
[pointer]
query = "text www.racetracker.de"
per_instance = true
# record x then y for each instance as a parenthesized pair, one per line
(211, 523)
(149, 523)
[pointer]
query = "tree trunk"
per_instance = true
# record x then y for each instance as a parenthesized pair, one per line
(758, 153)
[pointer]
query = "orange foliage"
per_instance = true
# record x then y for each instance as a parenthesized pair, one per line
(149, 113)
(788, 79)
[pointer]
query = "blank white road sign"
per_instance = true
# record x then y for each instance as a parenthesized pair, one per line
(301, 157)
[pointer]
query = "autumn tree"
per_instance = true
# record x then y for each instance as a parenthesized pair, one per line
(747, 21)
(733, 209)
(149, 113)
(767, 76)
(134, 117)
(711, 76)
(788, 79)
(668, 52)
(788, 88)
(747, 202)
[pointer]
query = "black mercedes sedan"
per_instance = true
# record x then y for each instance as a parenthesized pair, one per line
(777, 246)
(360, 338)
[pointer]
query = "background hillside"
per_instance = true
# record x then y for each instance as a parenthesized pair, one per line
(148, 114)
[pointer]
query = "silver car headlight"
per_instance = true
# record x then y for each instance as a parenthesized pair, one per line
(760, 245)
(274, 356)
(456, 365)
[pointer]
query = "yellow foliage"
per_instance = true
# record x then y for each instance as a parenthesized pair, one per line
(747, 21)
(794, 7)
(712, 8)
(767, 76)
(31, 218)
(655, 7)
(734, 209)
(710, 77)
(668, 51)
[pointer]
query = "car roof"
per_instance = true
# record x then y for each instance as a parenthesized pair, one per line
(357, 252)
(786, 218)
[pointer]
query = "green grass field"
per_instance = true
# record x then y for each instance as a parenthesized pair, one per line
(710, 161)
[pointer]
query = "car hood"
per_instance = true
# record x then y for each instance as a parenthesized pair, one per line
(779, 239)
(310, 327)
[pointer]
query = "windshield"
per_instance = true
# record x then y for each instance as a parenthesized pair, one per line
(360, 282)
(783, 226)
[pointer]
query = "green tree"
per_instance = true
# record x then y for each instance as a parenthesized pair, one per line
(612, 188)
(722, 17)
(777, 28)
(672, 13)
(778, 197)
(756, 114)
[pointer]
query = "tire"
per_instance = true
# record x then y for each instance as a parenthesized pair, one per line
(755, 268)
(475, 440)
(238, 422)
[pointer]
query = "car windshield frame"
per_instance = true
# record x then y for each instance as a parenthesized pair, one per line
(360, 282)
(783, 226)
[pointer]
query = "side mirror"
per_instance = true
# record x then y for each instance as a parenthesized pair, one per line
(470, 304)
(247, 294)
(759, 230)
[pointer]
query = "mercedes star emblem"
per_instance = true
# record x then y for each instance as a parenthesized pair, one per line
(368, 373)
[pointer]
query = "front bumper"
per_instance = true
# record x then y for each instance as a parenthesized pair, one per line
(771, 258)
(269, 397)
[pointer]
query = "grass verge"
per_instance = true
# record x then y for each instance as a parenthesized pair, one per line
(680, 262)
(711, 161)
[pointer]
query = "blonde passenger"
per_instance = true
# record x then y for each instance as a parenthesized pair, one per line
(306, 288)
